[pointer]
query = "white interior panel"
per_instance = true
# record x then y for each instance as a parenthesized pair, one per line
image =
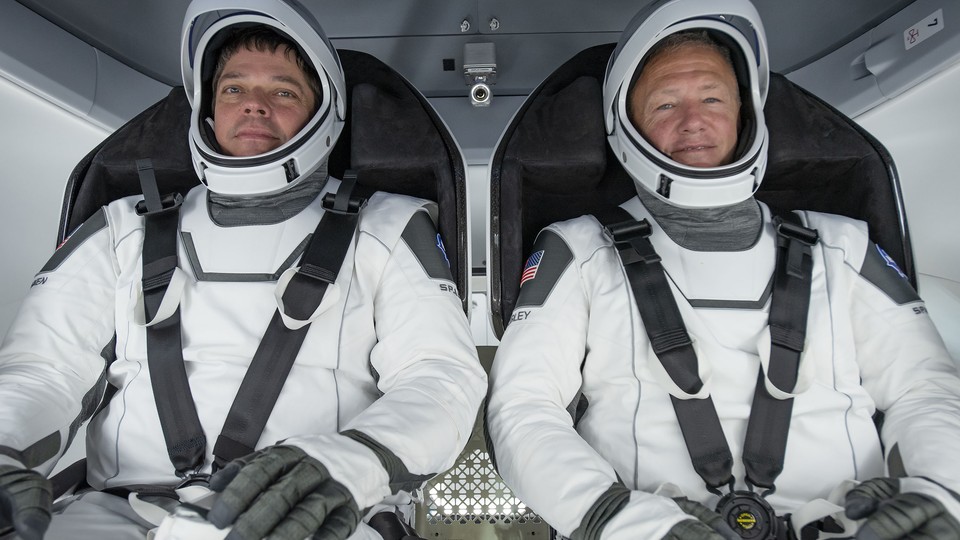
(921, 128)
(37, 158)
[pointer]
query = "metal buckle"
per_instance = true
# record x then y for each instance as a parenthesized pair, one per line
(749, 515)
(798, 232)
(193, 479)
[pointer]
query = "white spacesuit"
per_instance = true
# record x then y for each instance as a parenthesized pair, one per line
(581, 414)
(388, 355)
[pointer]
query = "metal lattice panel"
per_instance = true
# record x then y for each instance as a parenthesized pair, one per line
(472, 492)
(470, 500)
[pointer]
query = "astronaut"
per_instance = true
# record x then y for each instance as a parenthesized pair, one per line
(640, 350)
(382, 393)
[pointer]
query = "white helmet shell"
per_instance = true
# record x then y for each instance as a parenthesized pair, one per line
(738, 22)
(286, 165)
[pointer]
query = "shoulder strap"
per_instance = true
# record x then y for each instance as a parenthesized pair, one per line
(182, 431)
(319, 266)
(668, 336)
(769, 422)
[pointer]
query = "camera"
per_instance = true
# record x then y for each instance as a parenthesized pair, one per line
(480, 72)
(480, 95)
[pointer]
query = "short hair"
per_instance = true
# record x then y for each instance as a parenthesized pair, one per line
(264, 39)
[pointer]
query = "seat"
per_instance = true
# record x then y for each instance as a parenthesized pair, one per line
(393, 139)
(553, 163)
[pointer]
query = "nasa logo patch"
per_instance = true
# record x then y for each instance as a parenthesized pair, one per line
(443, 250)
(890, 262)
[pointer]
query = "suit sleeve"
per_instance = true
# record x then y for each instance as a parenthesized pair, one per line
(909, 373)
(52, 363)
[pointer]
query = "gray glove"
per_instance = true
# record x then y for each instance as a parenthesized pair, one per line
(891, 514)
(709, 525)
(282, 492)
(25, 499)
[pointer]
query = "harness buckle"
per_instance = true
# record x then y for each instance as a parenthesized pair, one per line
(193, 479)
(793, 231)
(749, 515)
(168, 202)
(351, 205)
(626, 230)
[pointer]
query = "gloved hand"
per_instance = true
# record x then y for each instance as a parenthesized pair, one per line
(709, 525)
(892, 514)
(25, 499)
(282, 492)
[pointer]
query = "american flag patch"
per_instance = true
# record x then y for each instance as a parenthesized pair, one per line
(530, 269)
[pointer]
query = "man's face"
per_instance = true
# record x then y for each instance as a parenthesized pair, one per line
(687, 105)
(261, 100)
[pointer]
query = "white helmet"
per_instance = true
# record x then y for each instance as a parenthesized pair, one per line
(734, 23)
(286, 165)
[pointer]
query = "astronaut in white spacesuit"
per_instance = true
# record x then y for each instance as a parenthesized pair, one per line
(382, 393)
(638, 353)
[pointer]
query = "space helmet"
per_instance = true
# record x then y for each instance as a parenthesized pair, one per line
(734, 24)
(205, 27)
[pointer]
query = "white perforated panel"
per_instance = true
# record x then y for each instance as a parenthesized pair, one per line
(472, 492)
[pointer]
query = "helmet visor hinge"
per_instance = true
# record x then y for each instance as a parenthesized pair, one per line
(290, 168)
(664, 187)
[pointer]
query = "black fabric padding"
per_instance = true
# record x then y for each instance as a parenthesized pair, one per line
(562, 137)
(396, 142)
(109, 172)
(392, 138)
(818, 160)
(376, 146)
(821, 160)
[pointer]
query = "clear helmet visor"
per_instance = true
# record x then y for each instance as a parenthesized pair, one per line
(206, 26)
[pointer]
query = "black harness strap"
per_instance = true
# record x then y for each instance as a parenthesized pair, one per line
(182, 431)
(670, 341)
(280, 345)
(390, 526)
(769, 423)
